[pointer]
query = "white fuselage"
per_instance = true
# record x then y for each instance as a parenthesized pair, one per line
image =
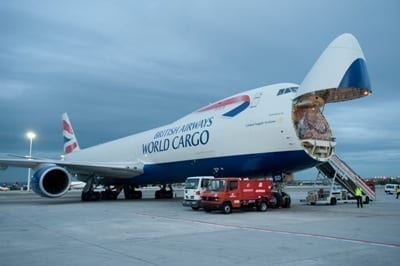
(265, 126)
(262, 125)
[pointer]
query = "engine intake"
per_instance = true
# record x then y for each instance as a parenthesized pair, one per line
(51, 181)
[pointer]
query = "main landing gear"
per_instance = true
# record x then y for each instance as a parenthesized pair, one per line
(92, 192)
(163, 193)
(110, 193)
(131, 193)
(88, 193)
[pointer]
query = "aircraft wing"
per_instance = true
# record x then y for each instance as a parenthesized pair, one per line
(103, 169)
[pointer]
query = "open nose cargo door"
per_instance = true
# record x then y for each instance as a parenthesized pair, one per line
(340, 74)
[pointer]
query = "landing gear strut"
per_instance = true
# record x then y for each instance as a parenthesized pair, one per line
(88, 194)
(131, 193)
(111, 192)
(163, 193)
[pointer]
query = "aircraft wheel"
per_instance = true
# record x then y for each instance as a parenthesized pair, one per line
(168, 194)
(137, 194)
(84, 196)
(132, 194)
(128, 192)
(109, 195)
(286, 202)
(90, 196)
(277, 202)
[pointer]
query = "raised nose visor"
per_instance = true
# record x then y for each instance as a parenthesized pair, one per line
(340, 74)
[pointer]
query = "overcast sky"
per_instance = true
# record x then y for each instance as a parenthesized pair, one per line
(121, 67)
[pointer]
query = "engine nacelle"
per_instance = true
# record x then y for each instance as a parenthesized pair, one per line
(51, 181)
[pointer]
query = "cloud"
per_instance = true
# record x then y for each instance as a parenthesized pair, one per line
(123, 67)
(13, 89)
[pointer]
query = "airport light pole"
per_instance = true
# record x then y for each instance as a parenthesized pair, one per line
(30, 136)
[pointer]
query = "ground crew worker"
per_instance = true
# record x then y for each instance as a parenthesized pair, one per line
(358, 194)
(398, 191)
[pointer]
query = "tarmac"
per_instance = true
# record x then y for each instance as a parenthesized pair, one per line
(66, 231)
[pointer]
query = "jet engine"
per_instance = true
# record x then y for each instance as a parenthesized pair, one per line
(51, 181)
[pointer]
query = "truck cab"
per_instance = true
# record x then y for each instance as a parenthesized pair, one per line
(194, 186)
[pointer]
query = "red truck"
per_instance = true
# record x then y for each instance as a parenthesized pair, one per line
(228, 193)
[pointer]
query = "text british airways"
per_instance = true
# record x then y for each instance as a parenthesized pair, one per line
(188, 135)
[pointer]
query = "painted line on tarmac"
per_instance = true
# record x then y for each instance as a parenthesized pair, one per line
(283, 232)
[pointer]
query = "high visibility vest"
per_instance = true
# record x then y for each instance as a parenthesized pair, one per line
(358, 191)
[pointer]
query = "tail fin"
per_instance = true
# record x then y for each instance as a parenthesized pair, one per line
(340, 73)
(70, 141)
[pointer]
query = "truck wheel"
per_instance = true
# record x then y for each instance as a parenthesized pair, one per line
(333, 201)
(227, 208)
(366, 200)
(195, 208)
(262, 206)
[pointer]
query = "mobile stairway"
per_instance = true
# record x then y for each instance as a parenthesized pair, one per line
(337, 169)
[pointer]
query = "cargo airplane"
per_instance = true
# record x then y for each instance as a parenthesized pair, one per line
(271, 131)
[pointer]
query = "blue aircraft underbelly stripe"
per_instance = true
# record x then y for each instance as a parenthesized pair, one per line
(264, 164)
(356, 76)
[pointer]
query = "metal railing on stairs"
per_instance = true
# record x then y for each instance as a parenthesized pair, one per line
(345, 176)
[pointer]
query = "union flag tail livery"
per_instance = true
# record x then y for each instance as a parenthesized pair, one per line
(70, 142)
(270, 131)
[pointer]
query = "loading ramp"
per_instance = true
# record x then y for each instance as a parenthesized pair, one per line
(336, 169)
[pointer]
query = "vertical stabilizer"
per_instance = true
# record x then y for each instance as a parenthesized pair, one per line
(70, 141)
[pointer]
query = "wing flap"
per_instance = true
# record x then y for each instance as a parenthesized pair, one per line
(112, 170)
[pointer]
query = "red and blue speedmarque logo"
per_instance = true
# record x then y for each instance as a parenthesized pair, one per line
(243, 99)
(68, 137)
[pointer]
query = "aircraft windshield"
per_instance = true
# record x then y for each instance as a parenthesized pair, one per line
(216, 185)
(192, 183)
